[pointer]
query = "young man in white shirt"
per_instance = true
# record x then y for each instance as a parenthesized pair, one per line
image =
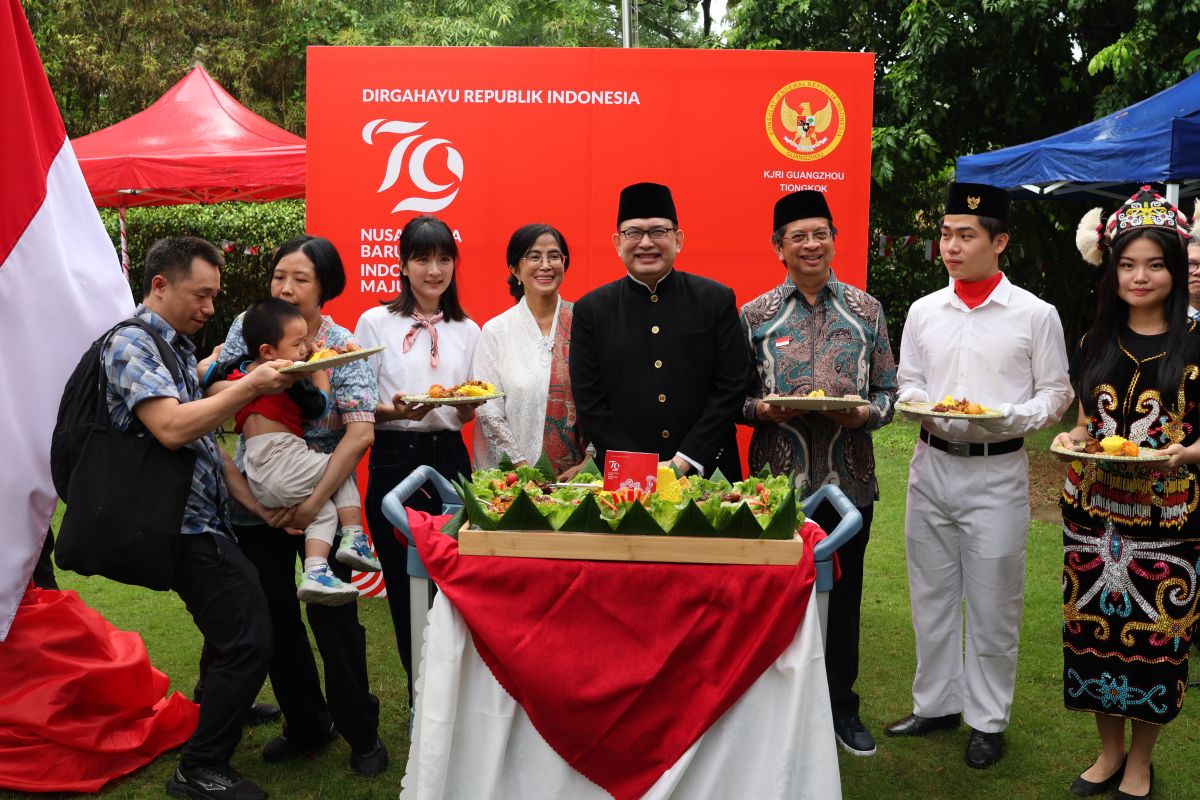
(995, 344)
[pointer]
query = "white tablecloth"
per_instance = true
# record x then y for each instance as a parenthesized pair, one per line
(472, 741)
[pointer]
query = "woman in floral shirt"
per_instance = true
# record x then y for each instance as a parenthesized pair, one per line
(307, 272)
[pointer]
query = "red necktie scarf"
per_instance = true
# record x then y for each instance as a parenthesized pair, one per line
(421, 322)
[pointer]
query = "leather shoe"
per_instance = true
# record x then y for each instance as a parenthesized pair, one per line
(281, 748)
(984, 749)
(914, 725)
(1127, 796)
(1085, 788)
(260, 713)
(372, 762)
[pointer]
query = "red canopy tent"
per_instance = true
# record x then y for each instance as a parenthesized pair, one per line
(195, 144)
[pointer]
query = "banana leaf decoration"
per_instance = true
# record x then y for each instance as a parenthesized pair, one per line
(692, 522)
(586, 518)
(786, 521)
(523, 515)
(638, 522)
(475, 513)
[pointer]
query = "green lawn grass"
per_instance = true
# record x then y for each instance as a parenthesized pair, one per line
(1046, 745)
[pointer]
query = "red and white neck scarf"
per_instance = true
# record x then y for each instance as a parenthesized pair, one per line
(427, 324)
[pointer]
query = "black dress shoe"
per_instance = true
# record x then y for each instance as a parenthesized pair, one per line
(260, 714)
(914, 725)
(1085, 788)
(281, 748)
(984, 749)
(372, 762)
(1127, 796)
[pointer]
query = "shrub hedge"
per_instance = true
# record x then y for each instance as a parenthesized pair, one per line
(246, 232)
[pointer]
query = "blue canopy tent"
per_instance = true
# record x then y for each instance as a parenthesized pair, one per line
(1154, 141)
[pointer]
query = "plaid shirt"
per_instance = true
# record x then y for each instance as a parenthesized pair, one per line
(839, 344)
(135, 373)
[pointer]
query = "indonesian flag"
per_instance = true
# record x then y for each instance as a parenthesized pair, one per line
(60, 287)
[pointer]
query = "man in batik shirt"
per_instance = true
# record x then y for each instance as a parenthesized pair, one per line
(813, 332)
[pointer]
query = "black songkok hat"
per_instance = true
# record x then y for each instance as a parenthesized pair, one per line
(978, 199)
(644, 201)
(800, 205)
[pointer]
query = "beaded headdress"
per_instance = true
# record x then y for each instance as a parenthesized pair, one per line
(1146, 209)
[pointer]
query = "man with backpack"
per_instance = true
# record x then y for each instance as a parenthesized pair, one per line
(213, 578)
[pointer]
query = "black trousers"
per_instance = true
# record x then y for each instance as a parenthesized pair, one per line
(845, 603)
(394, 455)
(43, 570)
(220, 589)
(340, 638)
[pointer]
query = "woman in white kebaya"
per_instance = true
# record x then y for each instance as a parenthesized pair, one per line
(524, 352)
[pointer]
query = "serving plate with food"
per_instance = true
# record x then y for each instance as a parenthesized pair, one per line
(950, 408)
(815, 400)
(459, 394)
(328, 358)
(1111, 448)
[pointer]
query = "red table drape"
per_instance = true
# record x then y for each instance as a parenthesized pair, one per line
(620, 666)
(80, 703)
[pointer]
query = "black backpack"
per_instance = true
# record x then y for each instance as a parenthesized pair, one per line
(84, 403)
(125, 492)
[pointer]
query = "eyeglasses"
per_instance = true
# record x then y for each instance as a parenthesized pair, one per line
(656, 234)
(554, 259)
(801, 237)
(1193, 266)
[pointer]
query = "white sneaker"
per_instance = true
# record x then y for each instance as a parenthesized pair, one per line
(355, 551)
(322, 587)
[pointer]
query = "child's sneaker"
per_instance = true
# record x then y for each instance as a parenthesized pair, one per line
(355, 551)
(322, 587)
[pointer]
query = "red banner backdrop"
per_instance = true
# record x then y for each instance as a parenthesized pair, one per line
(489, 139)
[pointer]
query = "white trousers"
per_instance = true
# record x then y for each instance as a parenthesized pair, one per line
(965, 532)
(282, 472)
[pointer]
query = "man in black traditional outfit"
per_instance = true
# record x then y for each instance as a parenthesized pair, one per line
(657, 361)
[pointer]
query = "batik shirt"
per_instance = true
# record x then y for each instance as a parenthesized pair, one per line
(135, 373)
(839, 345)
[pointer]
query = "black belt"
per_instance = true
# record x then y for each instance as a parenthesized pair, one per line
(972, 448)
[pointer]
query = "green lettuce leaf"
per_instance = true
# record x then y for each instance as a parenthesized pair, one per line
(586, 518)
(664, 511)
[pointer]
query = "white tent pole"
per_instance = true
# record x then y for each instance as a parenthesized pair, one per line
(1173, 193)
(124, 243)
(626, 26)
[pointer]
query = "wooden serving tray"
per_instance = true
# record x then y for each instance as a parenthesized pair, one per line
(614, 547)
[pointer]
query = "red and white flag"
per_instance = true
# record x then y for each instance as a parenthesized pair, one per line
(61, 286)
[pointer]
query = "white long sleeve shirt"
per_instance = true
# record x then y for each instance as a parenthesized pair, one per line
(1008, 351)
(513, 355)
(411, 372)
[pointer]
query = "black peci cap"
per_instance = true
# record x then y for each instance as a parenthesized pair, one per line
(644, 201)
(978, 199)
(800, 205)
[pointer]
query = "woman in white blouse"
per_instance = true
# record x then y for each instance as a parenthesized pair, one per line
(429, 340)
(524, 352)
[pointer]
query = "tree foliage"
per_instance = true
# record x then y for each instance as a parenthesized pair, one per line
(109, 59)
(248, 233)
(954, 77)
